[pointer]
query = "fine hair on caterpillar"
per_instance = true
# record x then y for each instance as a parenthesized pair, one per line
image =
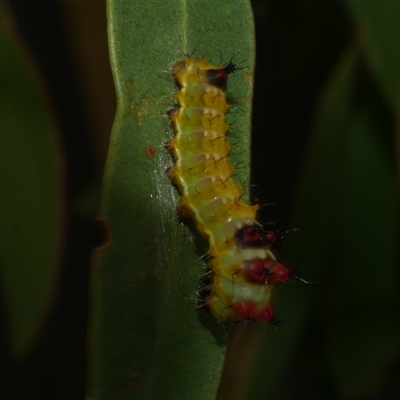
(242, 267)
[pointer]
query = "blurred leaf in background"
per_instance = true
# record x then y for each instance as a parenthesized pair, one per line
(31, 204)
(45, 174)
(341, 339)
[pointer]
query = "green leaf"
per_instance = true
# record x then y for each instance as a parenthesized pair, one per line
(30, 198)
(351, 202)
(355, 197)
(147, 339)
(367, 272)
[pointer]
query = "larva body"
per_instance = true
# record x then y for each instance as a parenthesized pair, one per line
(242, 269)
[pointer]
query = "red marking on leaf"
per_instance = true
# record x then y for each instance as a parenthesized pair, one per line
(150, 151)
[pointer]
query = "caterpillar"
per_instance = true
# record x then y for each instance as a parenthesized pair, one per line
(243, 269)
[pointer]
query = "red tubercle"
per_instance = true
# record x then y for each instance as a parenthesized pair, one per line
(266, 314)
(251, 235)
(258, 270)
(280, 273)
(256, 236)
(245, 310)
(266, 271)
(273, 236)
(219, 77)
